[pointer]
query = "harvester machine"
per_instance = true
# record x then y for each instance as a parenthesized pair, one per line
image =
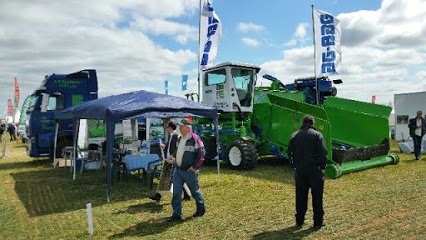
(259, 121)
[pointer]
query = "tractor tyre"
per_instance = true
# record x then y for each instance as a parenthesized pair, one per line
(242, 155)
(210, 148)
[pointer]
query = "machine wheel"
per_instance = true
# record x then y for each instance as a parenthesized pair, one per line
(210, 147)
(242, 155)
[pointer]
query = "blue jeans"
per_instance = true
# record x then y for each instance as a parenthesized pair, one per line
(417, 145)
(191, 179)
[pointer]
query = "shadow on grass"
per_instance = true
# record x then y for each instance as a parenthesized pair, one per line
(150, 207)
(29, 164)
(50, 191)
(20, 146)
(286, 233)
(271, 169)
(142, 229)
(411, 161)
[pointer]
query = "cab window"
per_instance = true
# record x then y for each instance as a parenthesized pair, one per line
(243, 80)
(215, 77)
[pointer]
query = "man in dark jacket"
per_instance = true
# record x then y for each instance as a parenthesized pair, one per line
(186, 171)
(12, 131)
(308, 155)
(417, 128)
(2, 130)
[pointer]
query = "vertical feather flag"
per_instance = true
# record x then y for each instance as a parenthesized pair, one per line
(9, 107)
(184, 82)
(328, 54)
(16, 93)
(210, 32)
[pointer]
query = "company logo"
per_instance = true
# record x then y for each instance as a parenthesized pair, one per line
(327, 40)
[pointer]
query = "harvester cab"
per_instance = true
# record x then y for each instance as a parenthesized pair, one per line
(230, 87)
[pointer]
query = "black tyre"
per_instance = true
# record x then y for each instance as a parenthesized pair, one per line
(242, 155)
(210, 147)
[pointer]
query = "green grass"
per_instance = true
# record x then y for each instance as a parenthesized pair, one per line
(38, 202)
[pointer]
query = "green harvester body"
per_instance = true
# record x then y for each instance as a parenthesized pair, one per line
(356, 133)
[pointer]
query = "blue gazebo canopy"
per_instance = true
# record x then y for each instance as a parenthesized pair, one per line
(131, 105)
(134, 104)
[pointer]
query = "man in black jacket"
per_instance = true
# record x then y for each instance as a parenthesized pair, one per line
(417, 127)
(308, 155)
(12, 131)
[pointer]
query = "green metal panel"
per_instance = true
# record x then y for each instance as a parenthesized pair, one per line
(279, 114)
(357, 123)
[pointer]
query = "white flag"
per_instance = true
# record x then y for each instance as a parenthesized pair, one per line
(328, 33)
(210, 32)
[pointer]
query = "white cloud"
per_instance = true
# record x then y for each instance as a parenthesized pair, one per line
(380, 51)
(397, 24)
(182, 32)
(250, 42)
(250, 27)
(50, 37)
(299, 36)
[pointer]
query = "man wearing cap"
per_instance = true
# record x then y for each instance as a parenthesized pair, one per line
(166, 174)
(186, 171)
(308, 155)
(417, 127)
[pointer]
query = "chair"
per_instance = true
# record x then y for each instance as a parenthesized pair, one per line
(147, 163)
(93, 157)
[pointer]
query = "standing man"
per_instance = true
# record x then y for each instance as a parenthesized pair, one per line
(417, 127)
(186, 171)
(11, 129)
(2, 130)
(166, 174)
(308, 155)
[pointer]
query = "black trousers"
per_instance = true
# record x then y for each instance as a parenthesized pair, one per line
(417, 145)
(315, 181)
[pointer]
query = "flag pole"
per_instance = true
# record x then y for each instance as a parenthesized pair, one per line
(315, 57)
(199, 45)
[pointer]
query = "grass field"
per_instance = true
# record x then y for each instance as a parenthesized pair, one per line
(38, 202)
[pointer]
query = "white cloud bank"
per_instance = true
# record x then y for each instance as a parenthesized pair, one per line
(114, 37)
(384, 52)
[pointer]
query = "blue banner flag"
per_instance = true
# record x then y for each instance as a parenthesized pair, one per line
(166, 87)
(184, 82)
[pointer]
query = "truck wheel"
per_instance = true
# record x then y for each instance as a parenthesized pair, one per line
(242, 155)
(210, 147)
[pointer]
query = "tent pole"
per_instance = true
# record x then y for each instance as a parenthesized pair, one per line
(55, 144)
(74, 151)
(217, 145)
(110, 144)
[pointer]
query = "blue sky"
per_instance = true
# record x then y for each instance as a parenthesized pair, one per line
(138, 44)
